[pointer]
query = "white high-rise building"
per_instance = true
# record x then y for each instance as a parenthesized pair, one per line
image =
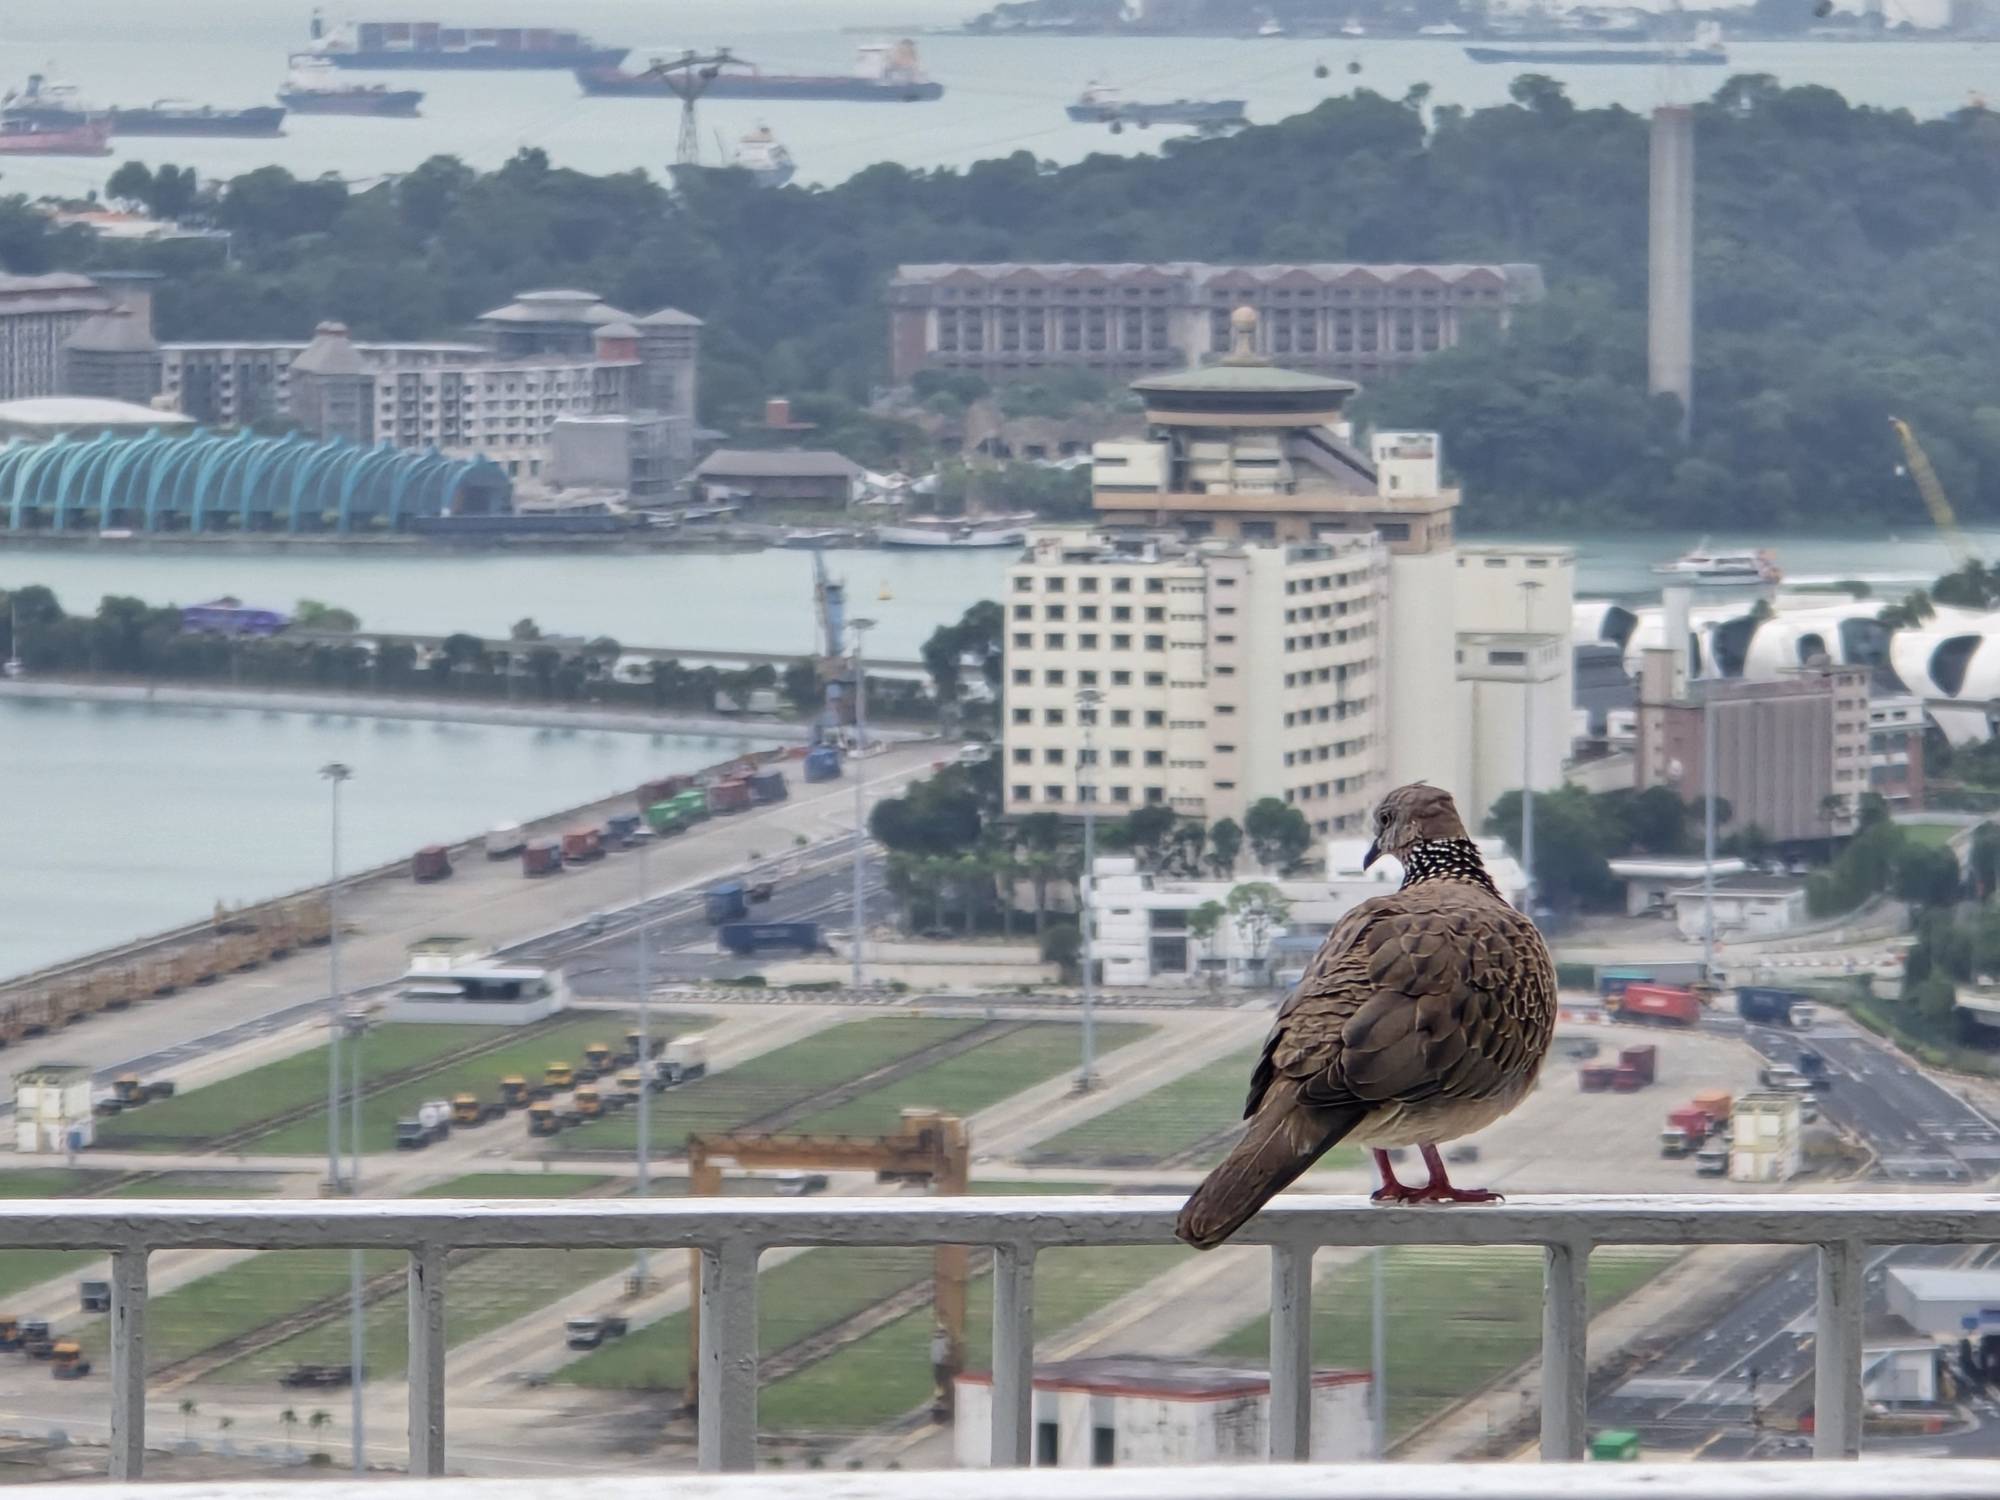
(1229, 672)
(1512, 606)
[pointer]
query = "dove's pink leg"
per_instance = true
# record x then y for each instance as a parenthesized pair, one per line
(1439, 1188)
(1392, 1191)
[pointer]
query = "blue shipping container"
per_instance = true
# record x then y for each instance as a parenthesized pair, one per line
(743, 938)
(822, 763)
(727, 902)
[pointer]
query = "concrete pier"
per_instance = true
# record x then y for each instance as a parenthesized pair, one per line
(1670, 260)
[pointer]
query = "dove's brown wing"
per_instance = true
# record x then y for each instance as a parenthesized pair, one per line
(1417, 997)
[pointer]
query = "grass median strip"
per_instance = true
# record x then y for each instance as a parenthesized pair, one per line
(973, 1080)
(885, 1373)
(1457, 1319)
(761, 1086)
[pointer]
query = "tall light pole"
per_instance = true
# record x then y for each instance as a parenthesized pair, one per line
(643, 1187)
(1529, 588)
(1708, 830)
(356, 1324)
(334, 773)
(1087, 700)
(1378, 1351)
(860, 629)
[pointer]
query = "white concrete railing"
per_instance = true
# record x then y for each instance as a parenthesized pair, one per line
(1926, 1479)
(730, 1234)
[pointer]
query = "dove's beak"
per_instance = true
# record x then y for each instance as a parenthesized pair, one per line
(1374, 853)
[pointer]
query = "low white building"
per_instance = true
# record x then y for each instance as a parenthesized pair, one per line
(1651, 880)
(1132, 1410)
(1764, 1138)
(1744, 904)
(52, 1109)
(1142, 920)
(477, 992)
(1944, 1301)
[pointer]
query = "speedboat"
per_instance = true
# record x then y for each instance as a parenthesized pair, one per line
(1705, 564)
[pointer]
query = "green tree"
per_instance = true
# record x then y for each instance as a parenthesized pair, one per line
(1985, 859)
(1225, 847)
(524, 629)
(1279, 834)
(1041, 839)
(311, 614)
(189, 1406)
(937, 816)
(1927, 877)
(1204, 922)
(1259, 910)
(1062, 944)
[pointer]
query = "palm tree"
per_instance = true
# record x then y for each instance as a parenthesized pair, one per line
(319, 1421)
(223, 1424)
(189, 1406)
(289, 1420)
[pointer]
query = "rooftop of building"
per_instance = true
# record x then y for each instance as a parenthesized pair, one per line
(62, 413)
(116, 330)
(1525, 274)
(1748, 885)
(1086, 546)
(1948, 1284)
(777, 463)
(1163, 1376)
(1560, 556)
(53, 1072)
(49, 281)
(1245, 372)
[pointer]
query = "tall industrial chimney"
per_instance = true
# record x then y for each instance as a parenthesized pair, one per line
(1670, 259)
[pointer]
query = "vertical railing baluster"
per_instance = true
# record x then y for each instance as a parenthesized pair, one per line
(427, 1353)
(1013, 1394)
(1837, 1350)
(1291, 1353)
(726, 1406)
(128, 1363)
(1565, 1350)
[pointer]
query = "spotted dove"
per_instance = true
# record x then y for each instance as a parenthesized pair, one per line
(1423, 1017)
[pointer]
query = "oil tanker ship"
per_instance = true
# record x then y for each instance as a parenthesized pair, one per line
(434, 45)
(313, 88)
(882, 74)
(57, 106)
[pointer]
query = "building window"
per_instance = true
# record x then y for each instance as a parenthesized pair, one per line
(1054, 584)
(1121, 612)
(1155, 613)
(1156, 643)
(1121, 643)
(1087, 641)
(1156, 585)
(1156, 757)
(1121, 794)
(1121, 585)
(1155, 718)
(1053, 611)
(1024, 585)
(1121, 757)
(1023, 677)
(1053, 792)
(1087, 584)
(1022, 793)
(1024, 612)
(1121, 679)
(1086, 679)
(1024, 716)
(1086, 611)
(1052, 716)
(1053, 677)
(1053, 640)
(1052, 757)
(1156, 679)
(1023, 640)
(1156, 794)
(1023, 756)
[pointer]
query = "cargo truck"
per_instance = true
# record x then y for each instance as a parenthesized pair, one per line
(1717, 1105)
(1655, 1005)
(685, 1060)
(1686, 1130)
(821, 763)
(727, 902)
(582, 845)
(768, 786)
(1612, 982)
(432, 862)
(746, 938)
(1711, 1161)
(1767, 1005)
(621, 830)
(504, 840)
(589, 1333)
(541, 857)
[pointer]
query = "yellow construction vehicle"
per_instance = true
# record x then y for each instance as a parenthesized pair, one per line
(466, 1110)
(542, 1119)
(631, 1083)
(597, 1057)
(559, 1075)
(931, 1148)
(513, 1091)
(1942, 515)
(589, 1103)
(128, 1090)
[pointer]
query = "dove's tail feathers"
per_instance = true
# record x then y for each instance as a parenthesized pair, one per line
(1284, 1138)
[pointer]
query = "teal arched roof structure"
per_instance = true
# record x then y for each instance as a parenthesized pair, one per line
(235, 481)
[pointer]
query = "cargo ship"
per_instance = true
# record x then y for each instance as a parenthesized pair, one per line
(58, 105)
(1706, 50)
(312, 88)
(433, 45)
(1099, 104)
(882, 74)
(765, 158)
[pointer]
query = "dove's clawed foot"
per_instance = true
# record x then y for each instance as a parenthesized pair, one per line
(1437, 1190)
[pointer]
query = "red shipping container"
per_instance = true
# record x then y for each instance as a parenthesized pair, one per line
(1594, 1080)
(582, 845)
(1626, 1081)
(432, 862)
(1659, 1002)
(1694, 1121)
(1642, 1060)
(542, 857)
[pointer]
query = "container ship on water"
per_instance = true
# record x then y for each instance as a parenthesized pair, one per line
(1102, 105)
(1705, 50)
(313, 88)
(883, 74)
(434, 45)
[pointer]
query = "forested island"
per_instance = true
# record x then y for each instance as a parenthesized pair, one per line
(1844, 274)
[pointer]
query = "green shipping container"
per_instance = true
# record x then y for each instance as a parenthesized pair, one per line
(665, 818)
(691, 804)
(1615, 1446)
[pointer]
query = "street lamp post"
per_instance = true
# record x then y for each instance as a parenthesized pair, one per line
(1087, 700)
(356, 1024)
(1708, 830)
(860, 628)
(1529, 588)
(642, 1186)
(334, 773)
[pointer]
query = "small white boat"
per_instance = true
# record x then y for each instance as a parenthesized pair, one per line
(824, 536)
(1705, 564)
(955, 531)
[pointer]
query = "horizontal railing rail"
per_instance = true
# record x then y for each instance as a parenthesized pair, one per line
(730, 1234)
(1901, 1479)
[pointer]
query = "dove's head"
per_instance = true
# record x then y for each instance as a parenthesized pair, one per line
(1412, 815)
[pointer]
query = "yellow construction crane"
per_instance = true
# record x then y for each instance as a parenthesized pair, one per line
(1933, 492)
